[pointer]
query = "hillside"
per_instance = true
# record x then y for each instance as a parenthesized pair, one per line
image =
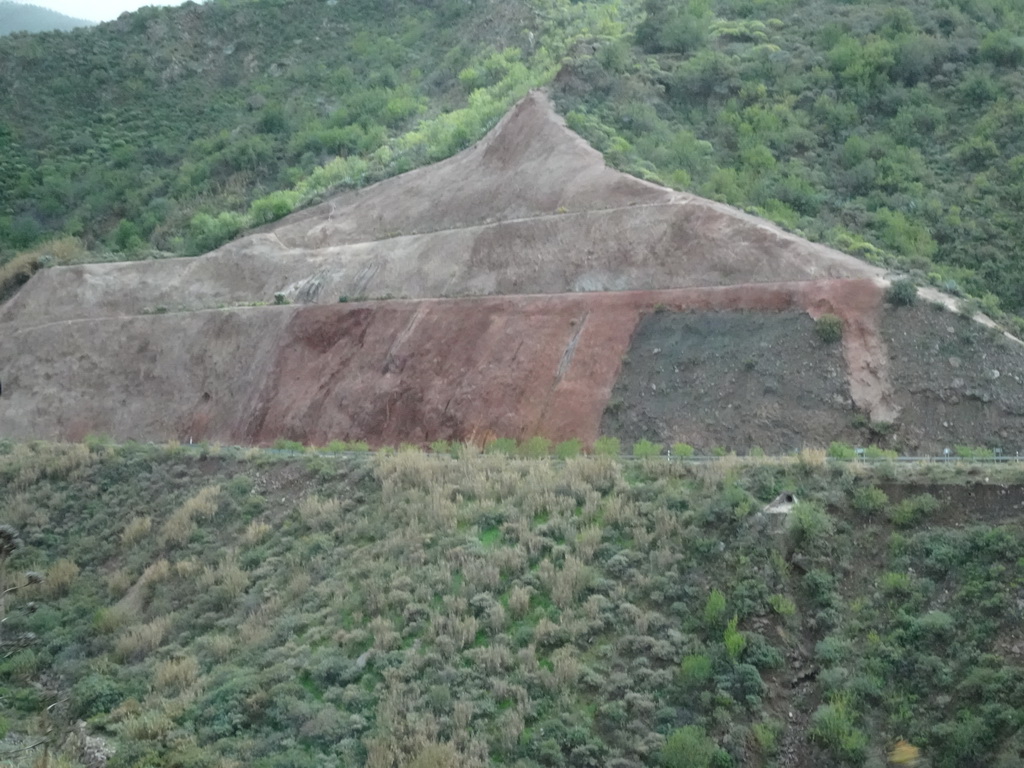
(207, 608)
(24, 17)
(887, 131)
(528, 277)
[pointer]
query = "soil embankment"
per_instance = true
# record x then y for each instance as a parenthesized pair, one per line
(386, 371)
(529, 271)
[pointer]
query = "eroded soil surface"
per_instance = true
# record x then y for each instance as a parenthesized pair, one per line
(956, 381)
(733, 380)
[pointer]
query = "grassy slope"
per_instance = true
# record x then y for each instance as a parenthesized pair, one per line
(893, 132)
(124, 133)
(210, 609)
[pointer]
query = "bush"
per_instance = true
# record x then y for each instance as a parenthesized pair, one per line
(688, 747)
(809, 526)
(695, 670)
(832, 727)
(869, 499)
(535, 448)
(841, 451)
(714, 608)
(272, 207)
(568, 449)
(911, 510)
(505, 445)
(646, 449)
(902, 292)
(684, 450)
(607, 446)
(829, 328)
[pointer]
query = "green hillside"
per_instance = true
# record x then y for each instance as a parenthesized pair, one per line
(22, 17)
(892, 132)
(213, 608)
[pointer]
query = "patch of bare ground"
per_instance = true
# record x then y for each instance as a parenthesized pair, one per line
(955, 381)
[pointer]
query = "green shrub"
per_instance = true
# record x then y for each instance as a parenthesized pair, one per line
(646, 449)
(288, 445)
(973, 452)
(766, 735)
(535, 448)
(809, 526)
(607, 446)
(95, 694)
(782, 605)
(695, 670)
(841, 451)
(272, 207)
(896, 584)
(683, 450)
(868, 499)
(688, 747)
(829, 328)
(902, 292)
(911, 510)
(505, 445)
(714, 609)
(735, 641)
(568, 449)
(832, 726)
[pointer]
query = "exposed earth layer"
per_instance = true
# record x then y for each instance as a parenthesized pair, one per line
(527, 272)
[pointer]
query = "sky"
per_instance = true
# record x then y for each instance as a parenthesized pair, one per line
(97, 10)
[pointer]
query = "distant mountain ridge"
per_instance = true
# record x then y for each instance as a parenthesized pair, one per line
(21, 17)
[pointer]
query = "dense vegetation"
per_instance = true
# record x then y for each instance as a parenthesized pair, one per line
(173, 128)
(23, 17)
(206, 608)
(891, 131)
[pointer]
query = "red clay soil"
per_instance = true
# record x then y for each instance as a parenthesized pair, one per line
(385, 372)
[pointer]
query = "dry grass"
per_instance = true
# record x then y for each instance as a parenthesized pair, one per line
(136, 530)
(17, 271)
(319, 514)
(570, 580)
(220, 646)
(28, 464)
(519, 601)
(176, 675)
(59, 578)
(256, 532)
(119, 582)
(111, 619)
(566, 666)
(22, 513)
(812, 458)
(178, 528)
(146, 726)
(137, 642)
(228, 579)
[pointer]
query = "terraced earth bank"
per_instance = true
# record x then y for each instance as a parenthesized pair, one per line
(519, 288)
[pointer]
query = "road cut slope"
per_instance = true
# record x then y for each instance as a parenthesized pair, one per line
(519, 288)
(383, 371)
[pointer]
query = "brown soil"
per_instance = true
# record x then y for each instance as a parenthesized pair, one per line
(532, 222)
(383, 371)
(955, 381)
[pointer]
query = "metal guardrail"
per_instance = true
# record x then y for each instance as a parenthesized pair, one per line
(695, 459)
